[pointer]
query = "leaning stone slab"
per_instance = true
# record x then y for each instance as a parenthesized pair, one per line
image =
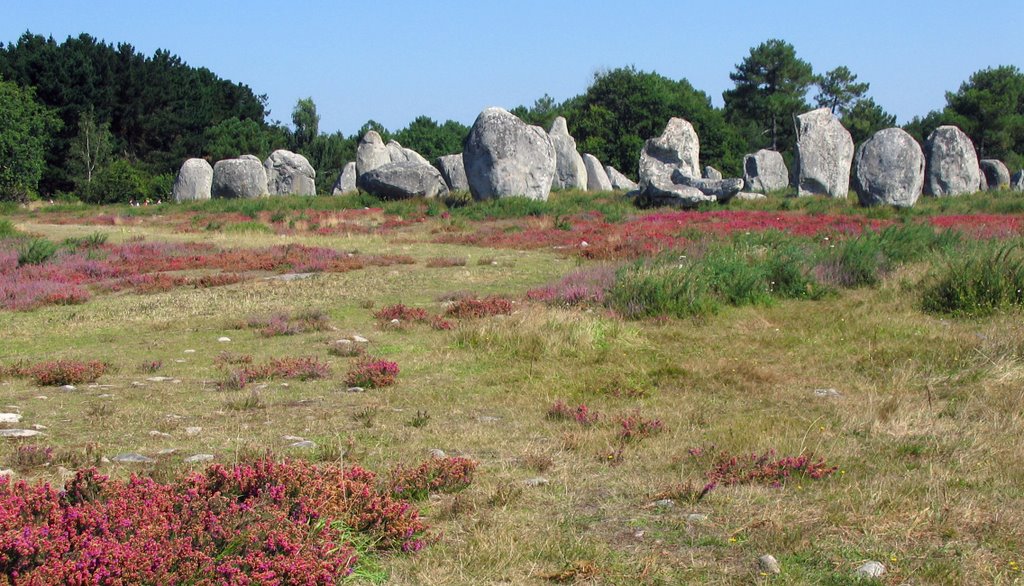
(570, 169)
(1017, 181)
(401, 154)
(453, 171)
(597, 179)
(619, 181)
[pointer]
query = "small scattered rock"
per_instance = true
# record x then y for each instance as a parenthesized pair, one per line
(6, 473)
(292, 438)
(167, 451)
(359, 339)
(436, 453)
(355, 389)
(18, 433)
(871, 569)
(223, 339)
(696, 517)
(10, 417)
(827, 393)
(193, 431)
(199, 458)
(664, 504)
(41, 397)
(305, 444)
(68, 388)
(132, 459)
(768, 564)
(189, 351)
(488, 419)
(539, 481)
(38, 427)
(159, 379)
(156, 433)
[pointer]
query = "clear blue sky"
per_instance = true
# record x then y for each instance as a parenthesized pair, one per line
(394, 60)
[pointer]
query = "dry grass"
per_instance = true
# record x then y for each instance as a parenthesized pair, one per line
(927, 433)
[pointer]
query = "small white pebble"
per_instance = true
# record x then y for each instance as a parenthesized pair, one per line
(223, 339)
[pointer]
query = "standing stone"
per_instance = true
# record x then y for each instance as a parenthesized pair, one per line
(402, 181)
(371, 153)
(765, 171)
(889, 169)
(1017, 181)
(453, 171)
(597, 179)
(711, 173)
(504, 156)
(400, 154)
(677, 148)
(824, 154)
(241, 178)
(346, 182)
(289, 173)
(570, 170)
(952, 163)
(619, 181)
(194, 181)
(996, 174)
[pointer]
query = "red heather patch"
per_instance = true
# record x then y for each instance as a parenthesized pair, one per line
(471, 307)
(592, 237)
(372, 373)
(635, 427)
(585, 416)
(449, 474)
(265, 522)
(57, 373)
(982, 225)
(402, 313)
(766, 468)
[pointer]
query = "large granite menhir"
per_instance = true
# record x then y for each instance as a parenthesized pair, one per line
(505, 157)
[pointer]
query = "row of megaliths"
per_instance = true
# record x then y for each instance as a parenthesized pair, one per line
(503, 156)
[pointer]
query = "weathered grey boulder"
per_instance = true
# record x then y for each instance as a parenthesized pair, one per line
(823, 156)
(597, 178)
(889, 169)
(996, 174)
(658, 192)
(951, 163)
(677, 148)
(722, 189)
(400, 154)
(570, 170)
(453, 171)
(289, 173)
(346, 182)
(402, 181)
(504, 156)
(710, 172)
(241, 178)
(371, 153)
(194, 181)
(619, 181)
(1017, 181)
(765, 171)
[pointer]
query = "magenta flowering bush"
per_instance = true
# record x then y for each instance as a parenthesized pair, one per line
(265, 522)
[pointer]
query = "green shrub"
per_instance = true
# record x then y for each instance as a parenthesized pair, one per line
(253, 226)
(989, 280)
(36, 251)
(656, 288)
(118, 182)
(7, 229)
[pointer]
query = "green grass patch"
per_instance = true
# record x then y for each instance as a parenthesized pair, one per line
(981, 283)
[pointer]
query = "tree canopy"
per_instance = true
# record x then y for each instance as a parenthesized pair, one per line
(25, 128)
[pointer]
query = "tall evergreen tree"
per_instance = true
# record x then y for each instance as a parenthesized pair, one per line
(771, 88)
(839, 90)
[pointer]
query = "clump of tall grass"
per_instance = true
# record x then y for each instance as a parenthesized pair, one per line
(983, 282)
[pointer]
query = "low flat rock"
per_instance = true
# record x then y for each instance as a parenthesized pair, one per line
(20, 433)
(722, 189)
(659, 193)
(132, 458)
(199, 458)
(403, 181)
(10, 417)
(871, 569)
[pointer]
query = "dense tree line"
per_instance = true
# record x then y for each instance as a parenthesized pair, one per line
(107, 123)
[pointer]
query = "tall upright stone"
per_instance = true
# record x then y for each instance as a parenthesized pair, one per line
(996, 174)
(951, 163)
(765, 171)
(504, 156)
(241, 178)
(194, 181)
(346, 182)
(371, 153)
(823, 155)
(678, 147)
(597, 178)
(1017, 181)
(889, 169)
(570, 170)
(289, 173)
(453, 171)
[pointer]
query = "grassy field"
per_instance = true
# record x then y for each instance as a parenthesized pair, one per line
(915, 415)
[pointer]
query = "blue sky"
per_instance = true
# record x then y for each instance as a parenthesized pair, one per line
(394, 60)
